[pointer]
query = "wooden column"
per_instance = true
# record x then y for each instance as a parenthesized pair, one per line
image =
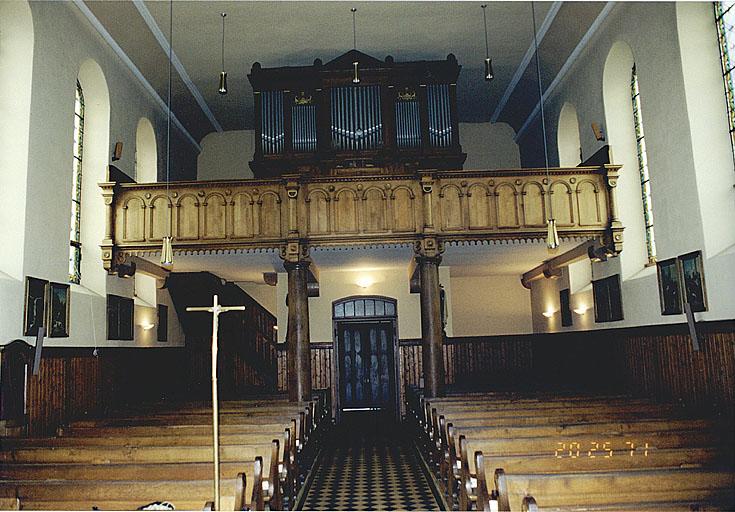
(428, 258)
(297, 336)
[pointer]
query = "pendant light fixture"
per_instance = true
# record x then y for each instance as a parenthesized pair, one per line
(356, 77)
(223, 74)
(489, 74)
(167, 251)
(552, 236)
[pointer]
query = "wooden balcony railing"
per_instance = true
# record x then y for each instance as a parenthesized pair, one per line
(206, 216)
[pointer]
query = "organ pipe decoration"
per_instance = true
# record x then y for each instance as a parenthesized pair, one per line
(408, 120)
(272, 128)
(440, 124)
(400, 117)
(303, 123)
(356, 118)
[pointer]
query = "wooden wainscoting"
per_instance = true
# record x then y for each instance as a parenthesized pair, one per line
(653, 361)
(661, 363)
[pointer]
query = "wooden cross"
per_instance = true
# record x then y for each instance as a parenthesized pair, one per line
(216, 310)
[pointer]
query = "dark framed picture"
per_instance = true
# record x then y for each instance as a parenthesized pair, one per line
(119, 318)
(669, 287)
(608, 299)
(162, 334)
(34, 315)
(565, 308)
(58, 310)
(692, 275)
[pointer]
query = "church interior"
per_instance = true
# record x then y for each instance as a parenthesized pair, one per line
(396, 255)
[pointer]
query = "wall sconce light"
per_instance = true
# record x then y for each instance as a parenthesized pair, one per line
(148, 326)
(364, 281)
(581, 310)
(549, 313)
(275, 327)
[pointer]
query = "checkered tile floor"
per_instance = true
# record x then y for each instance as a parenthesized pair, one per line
(369, 465)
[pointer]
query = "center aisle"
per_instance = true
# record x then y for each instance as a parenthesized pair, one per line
(369, 463)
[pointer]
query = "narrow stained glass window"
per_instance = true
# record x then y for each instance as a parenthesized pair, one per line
(75, 243)
(643, 167)
(725, 19)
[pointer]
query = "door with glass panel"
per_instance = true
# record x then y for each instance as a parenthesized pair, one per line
(365, 348)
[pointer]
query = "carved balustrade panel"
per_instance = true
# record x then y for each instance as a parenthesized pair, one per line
(453, 205)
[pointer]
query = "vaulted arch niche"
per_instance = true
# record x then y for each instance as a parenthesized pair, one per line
(146, 153)
(94, 164)
(616, 91)
(568, 137)
(16, 71)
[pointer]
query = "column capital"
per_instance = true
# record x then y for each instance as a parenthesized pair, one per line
(294, 252)
(429, 249)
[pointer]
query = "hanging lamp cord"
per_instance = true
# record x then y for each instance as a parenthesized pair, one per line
(354, 29)
(541, 104)
(168, 105)
(223, 40)
(484, 19)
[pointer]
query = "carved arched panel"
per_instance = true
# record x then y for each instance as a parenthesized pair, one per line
(160, 218)
(134, 220)
(270, 214)
(588, 203)
(506, 204)
(374, 205)
(215, 216)
(563, 205)
(318, 206)
(187, 218)
(404, 215)
(534, 211)
(345, 211)
(478, 203)
(242, 215)
(451, 207)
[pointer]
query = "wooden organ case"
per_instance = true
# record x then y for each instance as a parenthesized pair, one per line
(356, 115)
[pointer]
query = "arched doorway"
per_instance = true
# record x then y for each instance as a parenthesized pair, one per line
(366, 347)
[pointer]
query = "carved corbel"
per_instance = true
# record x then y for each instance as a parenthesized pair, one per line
(292, 193)
(108, 244)
(427, 188)
(614, 237)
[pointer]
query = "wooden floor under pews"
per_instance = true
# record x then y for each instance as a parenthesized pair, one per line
(510, 451)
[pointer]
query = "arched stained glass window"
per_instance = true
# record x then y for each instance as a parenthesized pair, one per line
(725, 19)
(643, 167)
(75, 241)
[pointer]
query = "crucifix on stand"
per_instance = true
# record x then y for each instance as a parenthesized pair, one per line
(216, 309)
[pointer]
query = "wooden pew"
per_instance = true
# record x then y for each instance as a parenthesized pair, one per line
(613, 490)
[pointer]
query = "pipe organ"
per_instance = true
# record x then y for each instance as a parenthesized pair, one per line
(324, 119)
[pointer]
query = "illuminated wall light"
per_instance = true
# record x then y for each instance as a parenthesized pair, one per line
(548, 314)
(148, 326)
(581, 310)
(275, 327)
(365, 281)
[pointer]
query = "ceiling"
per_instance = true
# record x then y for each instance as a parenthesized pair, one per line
(513, 257)
(295, 33)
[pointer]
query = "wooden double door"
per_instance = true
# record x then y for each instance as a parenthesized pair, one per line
(366, 357)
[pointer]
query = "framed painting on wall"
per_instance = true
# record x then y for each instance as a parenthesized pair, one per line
(669, 287)
(34, 315)
(692, 277)
(59, 310)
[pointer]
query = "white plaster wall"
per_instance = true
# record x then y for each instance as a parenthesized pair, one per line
(686, 174)
(264, 294)
(226, 155)
(489, 146)
(63, 41)
(490, 305)
(707, 110)
(335, 285)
